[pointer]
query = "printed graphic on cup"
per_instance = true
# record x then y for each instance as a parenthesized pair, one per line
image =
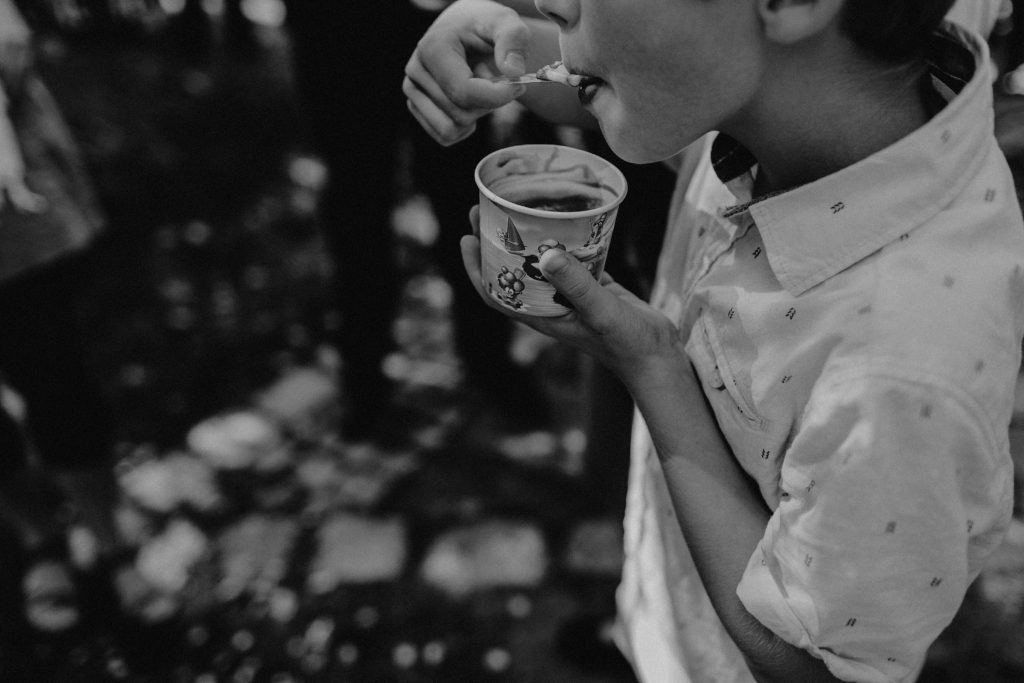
(534, 198)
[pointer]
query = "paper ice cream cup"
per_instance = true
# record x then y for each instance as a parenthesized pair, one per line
(537, 197)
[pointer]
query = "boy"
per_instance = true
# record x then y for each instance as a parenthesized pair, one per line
(825, 376)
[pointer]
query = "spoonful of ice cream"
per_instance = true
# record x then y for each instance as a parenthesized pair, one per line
(552, 73)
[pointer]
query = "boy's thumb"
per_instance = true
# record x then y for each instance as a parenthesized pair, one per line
(511, 42)
(572, 280)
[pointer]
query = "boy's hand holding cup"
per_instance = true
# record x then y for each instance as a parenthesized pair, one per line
(544, 227)
(536, 198)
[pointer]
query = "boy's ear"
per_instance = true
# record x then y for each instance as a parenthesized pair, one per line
(790, 21)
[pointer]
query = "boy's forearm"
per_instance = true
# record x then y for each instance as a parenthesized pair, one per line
(721, 515)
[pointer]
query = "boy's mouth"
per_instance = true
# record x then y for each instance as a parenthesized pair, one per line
(588, 88)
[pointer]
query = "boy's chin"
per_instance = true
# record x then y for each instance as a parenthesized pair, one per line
(633, 151)
(627, 140)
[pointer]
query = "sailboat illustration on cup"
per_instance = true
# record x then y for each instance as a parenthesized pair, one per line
(511, 238)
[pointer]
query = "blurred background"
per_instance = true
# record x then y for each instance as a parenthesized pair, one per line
(258, 427)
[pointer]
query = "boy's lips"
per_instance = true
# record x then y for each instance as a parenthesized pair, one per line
(587, 89)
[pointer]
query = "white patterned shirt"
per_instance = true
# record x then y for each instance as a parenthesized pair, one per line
(858, 339)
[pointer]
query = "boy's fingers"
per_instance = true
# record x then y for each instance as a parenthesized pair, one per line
(447, 65)
(419, 80)
(470, 247)
(576, 284)
(474, 220)
(24, 199)
(435, 122)
(511, 42)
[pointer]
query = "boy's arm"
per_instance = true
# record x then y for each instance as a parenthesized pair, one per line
(720, 512)
(897, 488)
(854, 576)
(894, 493)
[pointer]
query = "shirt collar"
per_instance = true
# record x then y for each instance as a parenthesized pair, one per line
(817, 230)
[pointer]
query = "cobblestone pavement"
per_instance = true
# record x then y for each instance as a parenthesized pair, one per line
(268, 547)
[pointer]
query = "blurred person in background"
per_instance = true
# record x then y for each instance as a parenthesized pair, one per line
(56, 459)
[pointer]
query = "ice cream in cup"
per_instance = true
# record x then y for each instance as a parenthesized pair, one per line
(534, 198)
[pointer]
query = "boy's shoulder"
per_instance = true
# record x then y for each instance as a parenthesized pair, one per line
(944, 303)
(950, 169)
(912, 257)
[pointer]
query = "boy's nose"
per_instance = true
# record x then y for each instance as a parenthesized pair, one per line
(565, 13)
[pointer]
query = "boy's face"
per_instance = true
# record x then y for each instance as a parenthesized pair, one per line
(670, 70)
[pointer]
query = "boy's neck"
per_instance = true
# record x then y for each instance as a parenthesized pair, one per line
(816, 124)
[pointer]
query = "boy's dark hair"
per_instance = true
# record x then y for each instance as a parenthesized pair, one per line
(893, 31)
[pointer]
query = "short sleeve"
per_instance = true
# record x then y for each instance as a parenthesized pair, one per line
(894, 492)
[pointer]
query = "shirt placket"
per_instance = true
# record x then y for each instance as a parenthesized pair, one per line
(725, 230)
